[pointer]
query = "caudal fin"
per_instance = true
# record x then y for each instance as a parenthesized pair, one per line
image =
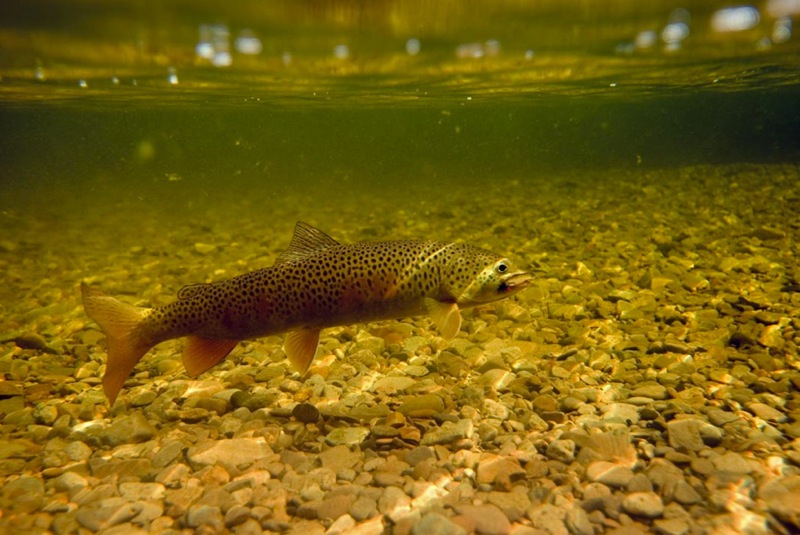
(120, 323)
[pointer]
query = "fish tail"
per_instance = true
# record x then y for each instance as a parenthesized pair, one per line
(121, 323)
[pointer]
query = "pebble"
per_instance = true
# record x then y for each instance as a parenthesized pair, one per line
(347, 436)
(651, 391)
(33, 341)
(97, 518)
(765, 412)
(646, 504)
(341, 526)
(448, 433)
(339, 457)
(204, 248)
(732, 462)
(487, 519)
(424, 406)
(544, 403)
(439, 524)
(394, 504)
(702, 466)
(374, 526)
(236, 515)
(684, 435)
(671, 526)
(493, 467)
(720, 418)
(129, 429)
(608, 473)
(306, 413)
(77, 451)
(137, 492)
(577, 521)
(363, 508)
(416, 371)
(232, 452)
(167, 453)
(393, 384)
(514, 504)
(561, 450)
(10, 389)
(685, 494)
(24, 494)
(142, 397)
(624, 413)
(496, 379)
(328, 508)
(387, 479)
(70, 482)
(205, 515)
(639, 483)
(548, 518)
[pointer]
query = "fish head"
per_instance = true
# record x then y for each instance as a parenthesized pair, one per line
(475, 276)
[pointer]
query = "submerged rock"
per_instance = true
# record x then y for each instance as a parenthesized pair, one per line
(131, 429)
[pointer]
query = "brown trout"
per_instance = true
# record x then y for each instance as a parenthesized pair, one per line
(315, 283)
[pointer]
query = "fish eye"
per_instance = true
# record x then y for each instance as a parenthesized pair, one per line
(501, 267)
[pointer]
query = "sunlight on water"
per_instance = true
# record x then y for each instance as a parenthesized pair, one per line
(392, 53)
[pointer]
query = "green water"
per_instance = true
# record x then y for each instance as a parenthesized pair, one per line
(106, 102)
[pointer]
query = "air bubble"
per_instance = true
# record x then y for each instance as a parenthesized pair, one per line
(413, 46)
(247, 43)
(341, 52)
(735, 19)
(675, 33)
(645, 39)
(213, 44)
(782, 30)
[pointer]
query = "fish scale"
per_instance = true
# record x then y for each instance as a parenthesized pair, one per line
(315, 283)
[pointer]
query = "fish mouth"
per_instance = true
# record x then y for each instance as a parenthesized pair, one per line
(515, 282)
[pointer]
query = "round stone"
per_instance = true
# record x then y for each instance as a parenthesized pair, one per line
(646, 504)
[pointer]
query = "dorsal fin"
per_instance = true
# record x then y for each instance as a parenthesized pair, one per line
(191, 290)
(306, 241)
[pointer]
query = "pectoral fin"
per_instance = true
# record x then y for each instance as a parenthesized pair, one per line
(301, 347)
(446, 316)
(202, 354)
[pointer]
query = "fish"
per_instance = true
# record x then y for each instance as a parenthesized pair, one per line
(314, 284)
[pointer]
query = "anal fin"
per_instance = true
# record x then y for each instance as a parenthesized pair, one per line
(446, 316)
(202, 354)
(301, 347)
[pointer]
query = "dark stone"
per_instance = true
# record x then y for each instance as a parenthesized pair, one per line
(306, 413)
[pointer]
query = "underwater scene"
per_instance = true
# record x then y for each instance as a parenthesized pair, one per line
(400, 267)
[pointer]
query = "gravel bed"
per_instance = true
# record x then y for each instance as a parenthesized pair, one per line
(646, 383)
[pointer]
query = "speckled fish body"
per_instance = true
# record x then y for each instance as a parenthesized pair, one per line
(316, 283)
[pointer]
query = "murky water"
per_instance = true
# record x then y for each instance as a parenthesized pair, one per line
(347, 94)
